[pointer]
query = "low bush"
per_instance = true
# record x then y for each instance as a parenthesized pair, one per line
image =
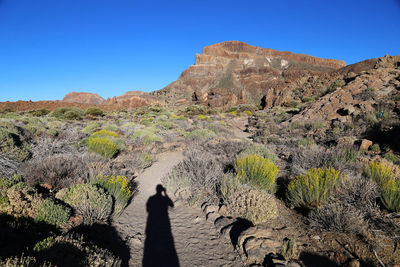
(313, 188)
(39, 112)
(304, 142)
(102, 146)
(200, 134)
(92, 202)
(44, 244)
(119, 187)
(23, 261)
(391, 157)
(247, 202)
(200, 173)
(111, 127)
(350, 209)
(307, 158)
(52, 213)
(148, 135)
(336, 216)
(91, 127)
(13, 144)
(6, 183)
(104, 133)
(94, 111)
(391, 195)
(67, 113)
(58, 171)
(257, 171)
(147, 159)
(259, 150)
(24, 200)
(380, 172)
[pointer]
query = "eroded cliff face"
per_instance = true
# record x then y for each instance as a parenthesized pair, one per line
(233, 72)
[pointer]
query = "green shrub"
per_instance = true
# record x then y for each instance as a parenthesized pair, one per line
(39, 112)
(92, 202)
(119, 187)
(307, 99)
(391, 194)
(102, 146)
(147, 135)
(44, 244)
(336, 84)
(6, 183)
(200, 133)
(146, 158)
(67, 113)
(305, 141)
(391, 157)
(94, 111)
(52, 213)
(34, 128)
(12, 143)
(259, 150)
(247, 202)
(257, 171)
(111, 127)
(375, 148)
(313, 188)
(91, 127)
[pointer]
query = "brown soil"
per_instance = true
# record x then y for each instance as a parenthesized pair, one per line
(195, 240)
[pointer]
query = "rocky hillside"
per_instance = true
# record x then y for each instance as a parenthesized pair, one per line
(233, 72)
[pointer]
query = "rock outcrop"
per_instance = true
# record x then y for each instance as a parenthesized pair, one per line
(233, 72)
(359, 93)
(83, 98)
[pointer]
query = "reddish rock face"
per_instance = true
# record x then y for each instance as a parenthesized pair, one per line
(83, 98)
(233, 72)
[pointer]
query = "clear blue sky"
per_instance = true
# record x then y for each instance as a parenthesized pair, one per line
(51, 47)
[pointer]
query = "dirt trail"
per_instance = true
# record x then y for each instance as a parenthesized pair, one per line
(196, 241)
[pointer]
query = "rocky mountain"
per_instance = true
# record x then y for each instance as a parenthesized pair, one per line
(131, 99)
(83, 98)
(233, 72)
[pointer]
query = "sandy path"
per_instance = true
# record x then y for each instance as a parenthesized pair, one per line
(196, 241)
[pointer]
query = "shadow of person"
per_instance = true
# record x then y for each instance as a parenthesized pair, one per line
(159, 247)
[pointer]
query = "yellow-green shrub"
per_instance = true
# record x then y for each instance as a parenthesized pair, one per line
(119, 187)
(380, 172)
(201, 117)
(102, 133)
(391, 194)
(313, 188)
(102, 146)
(257, 171)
